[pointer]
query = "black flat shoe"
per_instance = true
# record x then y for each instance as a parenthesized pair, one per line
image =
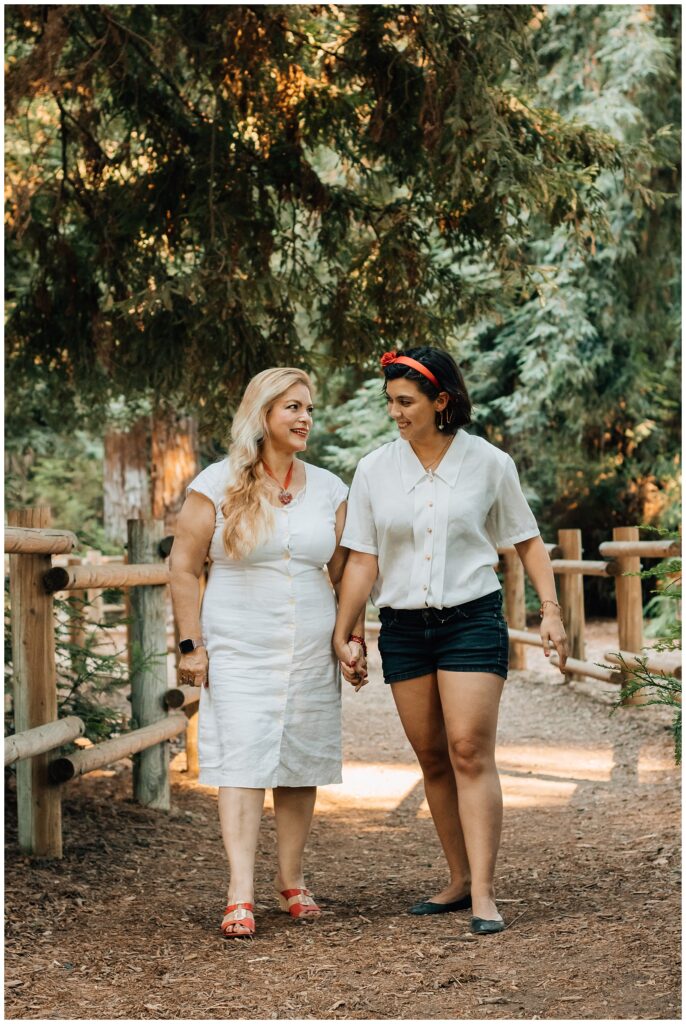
(464, 903)
(480, 926)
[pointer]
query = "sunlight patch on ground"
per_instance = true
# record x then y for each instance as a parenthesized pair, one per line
(383, 787)
(592, 764)
(531, 792)
(374, 787)
(654, 760)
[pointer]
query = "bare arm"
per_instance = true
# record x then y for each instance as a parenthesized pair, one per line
(536, 562)
(192, 537)
(336, 567)
(360, 574)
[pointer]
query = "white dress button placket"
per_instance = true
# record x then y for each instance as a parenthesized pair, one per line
(289, 644)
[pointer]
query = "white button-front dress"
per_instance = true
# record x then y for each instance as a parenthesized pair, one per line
(271, 714)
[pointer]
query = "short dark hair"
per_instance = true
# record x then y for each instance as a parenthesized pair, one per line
(458, 411)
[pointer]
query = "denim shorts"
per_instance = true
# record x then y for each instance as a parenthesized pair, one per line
(471, 637)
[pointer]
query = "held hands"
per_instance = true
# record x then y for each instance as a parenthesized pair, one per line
(554, 637)
(192, 670)
(353, 663)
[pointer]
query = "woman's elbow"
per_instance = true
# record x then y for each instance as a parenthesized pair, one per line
(525, 547)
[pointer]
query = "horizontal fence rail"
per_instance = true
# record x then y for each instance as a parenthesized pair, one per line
(570, 566)
(181, 697)
(666, 662)
(640, 548)
(68, 767)
(105, 577)
(25, 540)
(42, 738)
(589, 668)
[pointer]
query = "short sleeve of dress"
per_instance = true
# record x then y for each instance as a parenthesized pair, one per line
(359, 533)
(510, 520)
(211, 482)
(339, 492)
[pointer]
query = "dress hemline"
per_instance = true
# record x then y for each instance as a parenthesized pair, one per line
(220, 779)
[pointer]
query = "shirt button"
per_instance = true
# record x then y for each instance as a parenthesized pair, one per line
(428, 558)
(425, 588)
(429, 530)
(431, 504)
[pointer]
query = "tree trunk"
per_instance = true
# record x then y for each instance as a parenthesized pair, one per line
(175, 461)
(126, 478)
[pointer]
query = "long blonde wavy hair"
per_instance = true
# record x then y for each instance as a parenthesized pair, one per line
(248, 514)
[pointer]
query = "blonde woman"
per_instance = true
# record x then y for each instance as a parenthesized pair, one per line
(261, 647)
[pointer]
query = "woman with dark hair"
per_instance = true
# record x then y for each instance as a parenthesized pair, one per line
(426, 515)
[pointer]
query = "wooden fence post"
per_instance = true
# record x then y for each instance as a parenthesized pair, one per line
(572, 596)
(192, 762)
(35, 690)
(629, 599)
(76, 599)
(515, 603)
(147, 631)
(95, 599)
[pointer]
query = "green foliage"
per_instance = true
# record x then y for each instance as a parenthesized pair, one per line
(343, 433)
(580, 376)
(64, 472)
(197, 192)
(87, 677)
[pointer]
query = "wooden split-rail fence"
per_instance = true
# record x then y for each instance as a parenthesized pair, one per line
(160, 713)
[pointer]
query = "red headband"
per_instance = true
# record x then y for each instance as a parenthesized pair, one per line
(391, 357)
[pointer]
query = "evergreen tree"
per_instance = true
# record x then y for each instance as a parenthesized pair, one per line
(581, 375)
(578, 373)
(197, 192)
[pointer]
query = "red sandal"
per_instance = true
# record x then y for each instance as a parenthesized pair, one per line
(238, 915)
(292, 901)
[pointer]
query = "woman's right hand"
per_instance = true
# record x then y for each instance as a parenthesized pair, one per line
(193, 668)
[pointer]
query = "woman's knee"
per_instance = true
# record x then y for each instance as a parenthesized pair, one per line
(434, 759)
(471, 756)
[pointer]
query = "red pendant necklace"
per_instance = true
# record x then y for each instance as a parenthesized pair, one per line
(285, 496)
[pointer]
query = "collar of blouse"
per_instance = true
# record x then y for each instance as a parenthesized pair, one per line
(412, 471)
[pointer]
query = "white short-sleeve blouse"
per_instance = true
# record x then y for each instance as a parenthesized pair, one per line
(436, 533)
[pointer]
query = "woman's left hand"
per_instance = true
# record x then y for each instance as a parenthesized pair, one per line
(554, 638)
(354, 666)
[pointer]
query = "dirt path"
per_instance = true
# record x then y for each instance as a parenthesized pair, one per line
(126, 925)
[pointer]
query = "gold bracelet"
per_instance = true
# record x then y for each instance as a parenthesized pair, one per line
(548, 601)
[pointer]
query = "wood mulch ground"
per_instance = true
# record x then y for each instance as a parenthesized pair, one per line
(126, 925)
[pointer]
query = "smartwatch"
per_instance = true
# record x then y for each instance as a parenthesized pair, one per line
(188, 646)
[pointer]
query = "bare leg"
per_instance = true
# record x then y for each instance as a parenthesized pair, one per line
(240, 812)
(470, 703)
(293, 808)
(419, 706)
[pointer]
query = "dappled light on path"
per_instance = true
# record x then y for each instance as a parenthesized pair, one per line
(592, 764)
(376, 787)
